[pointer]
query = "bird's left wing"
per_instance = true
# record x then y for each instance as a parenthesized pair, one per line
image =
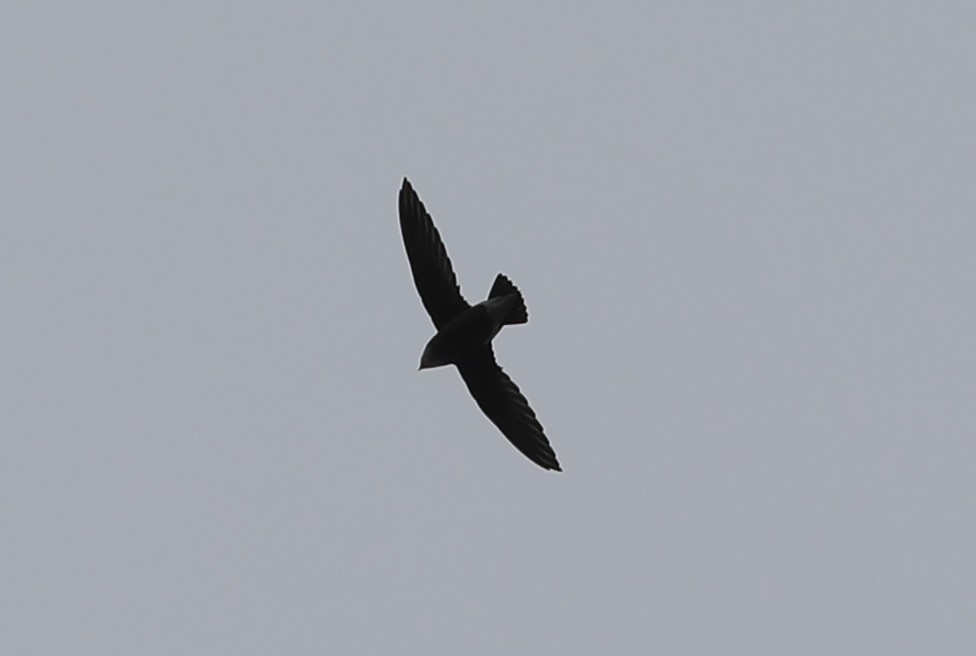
(429, 263)
(500, 399)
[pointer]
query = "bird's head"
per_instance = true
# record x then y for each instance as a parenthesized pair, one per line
(431, 358)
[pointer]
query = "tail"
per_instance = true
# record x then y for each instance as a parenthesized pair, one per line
(505, 287)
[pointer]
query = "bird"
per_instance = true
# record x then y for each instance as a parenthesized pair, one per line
(465, 332)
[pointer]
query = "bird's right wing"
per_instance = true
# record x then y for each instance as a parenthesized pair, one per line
(429, 263)
(500, 399)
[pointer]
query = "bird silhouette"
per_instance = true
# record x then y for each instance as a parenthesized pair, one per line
(464, 331)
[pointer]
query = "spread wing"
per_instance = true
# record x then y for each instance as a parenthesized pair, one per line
(431, 267)
(500, 399)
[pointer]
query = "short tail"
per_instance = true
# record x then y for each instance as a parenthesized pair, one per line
(505, 287)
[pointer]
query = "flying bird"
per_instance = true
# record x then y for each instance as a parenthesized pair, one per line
(464, 331)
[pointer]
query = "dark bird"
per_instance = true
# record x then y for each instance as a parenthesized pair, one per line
(464, 332)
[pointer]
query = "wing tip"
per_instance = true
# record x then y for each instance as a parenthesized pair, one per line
(548, 461)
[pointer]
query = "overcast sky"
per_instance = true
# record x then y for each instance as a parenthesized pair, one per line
(745, 235)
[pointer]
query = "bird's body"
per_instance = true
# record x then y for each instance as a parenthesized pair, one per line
(464, 332)
(469, 331)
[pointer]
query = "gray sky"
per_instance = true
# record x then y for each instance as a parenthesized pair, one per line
(745, 237)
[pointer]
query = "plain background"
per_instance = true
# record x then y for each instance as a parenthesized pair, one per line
(745, 234)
